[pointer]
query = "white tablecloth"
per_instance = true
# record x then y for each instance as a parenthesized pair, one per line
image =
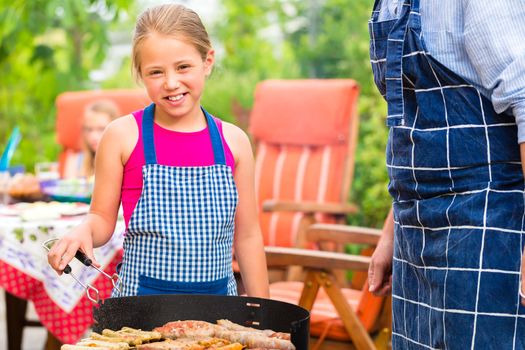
(21, 247)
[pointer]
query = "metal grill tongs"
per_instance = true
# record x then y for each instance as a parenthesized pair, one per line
(91, 292)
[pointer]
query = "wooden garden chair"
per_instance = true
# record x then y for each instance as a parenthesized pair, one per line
(305, 135)
(343, 315)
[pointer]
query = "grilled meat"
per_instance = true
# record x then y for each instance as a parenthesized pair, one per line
(187, 329)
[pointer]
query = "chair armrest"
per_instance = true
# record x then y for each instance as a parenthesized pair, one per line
(310, 207)
(343, 234)
(279, 256)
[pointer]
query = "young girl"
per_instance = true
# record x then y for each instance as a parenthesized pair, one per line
(185, 179)
(97, 117)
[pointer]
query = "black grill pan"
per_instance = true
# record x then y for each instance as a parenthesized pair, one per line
(150, 311)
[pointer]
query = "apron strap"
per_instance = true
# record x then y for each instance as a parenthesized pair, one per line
(394, 67)
(216, 140)
(147, 134)
(149, 145)
(375, 11)
(415, 17)
(415, 6)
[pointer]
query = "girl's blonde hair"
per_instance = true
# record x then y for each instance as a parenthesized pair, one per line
(108, 108)
(170, 20)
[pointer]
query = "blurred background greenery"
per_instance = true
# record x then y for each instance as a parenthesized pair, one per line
(51, 46)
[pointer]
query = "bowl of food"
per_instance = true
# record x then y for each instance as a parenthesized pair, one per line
(67, 190)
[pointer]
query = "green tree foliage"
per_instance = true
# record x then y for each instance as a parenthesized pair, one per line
(46, 47)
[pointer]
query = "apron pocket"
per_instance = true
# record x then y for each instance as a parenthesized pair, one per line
(150, 286)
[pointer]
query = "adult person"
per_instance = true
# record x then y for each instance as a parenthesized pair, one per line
(453, 74)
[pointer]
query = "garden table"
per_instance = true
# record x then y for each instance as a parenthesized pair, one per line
(60, 303)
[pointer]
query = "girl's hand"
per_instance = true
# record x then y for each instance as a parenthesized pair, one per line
(64, 250)
(380, 269)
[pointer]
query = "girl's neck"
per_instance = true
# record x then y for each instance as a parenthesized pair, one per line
(191, 122)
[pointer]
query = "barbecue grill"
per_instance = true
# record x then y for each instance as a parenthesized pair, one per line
(150, 311)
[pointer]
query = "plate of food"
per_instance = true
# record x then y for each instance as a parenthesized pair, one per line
(46, 210)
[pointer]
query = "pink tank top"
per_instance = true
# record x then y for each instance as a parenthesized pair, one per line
(173, 148)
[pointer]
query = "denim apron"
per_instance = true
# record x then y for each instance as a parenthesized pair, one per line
(180, 236)
(458, 199)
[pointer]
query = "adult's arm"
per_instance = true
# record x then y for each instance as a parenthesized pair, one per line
(380, 269)
(522, 150)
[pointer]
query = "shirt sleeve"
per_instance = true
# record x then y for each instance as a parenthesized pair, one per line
(495, 43)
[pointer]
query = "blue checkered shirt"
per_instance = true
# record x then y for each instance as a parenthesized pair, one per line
(482, 41)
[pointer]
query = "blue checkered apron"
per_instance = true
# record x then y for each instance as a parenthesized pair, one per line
(458, 199)
(180, 236)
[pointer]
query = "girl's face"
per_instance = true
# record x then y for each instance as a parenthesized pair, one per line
(174, 73)
(94, 125)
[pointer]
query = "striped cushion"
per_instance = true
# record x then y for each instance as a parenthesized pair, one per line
(305, 131)
(296, 173)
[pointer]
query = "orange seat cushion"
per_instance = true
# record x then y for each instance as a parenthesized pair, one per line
(304, 112)
(324, 315)
(303, 130)
(71, 105)
(70, 111)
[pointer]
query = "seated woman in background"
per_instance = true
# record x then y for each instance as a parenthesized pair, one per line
(96, 117)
